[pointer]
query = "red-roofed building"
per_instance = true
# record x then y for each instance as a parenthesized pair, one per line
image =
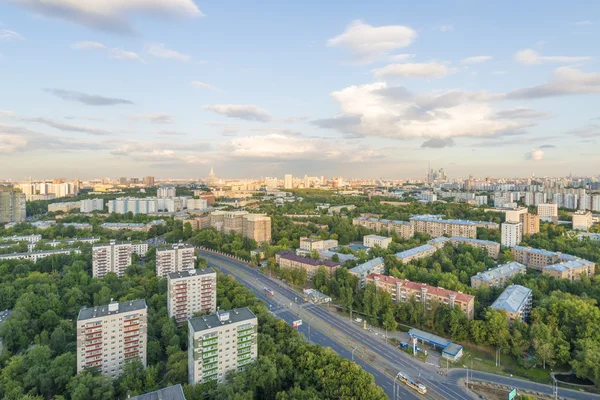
(287, 259)
(403, 290)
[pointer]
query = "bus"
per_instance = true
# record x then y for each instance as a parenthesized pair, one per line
(419, 387)
(269, 292)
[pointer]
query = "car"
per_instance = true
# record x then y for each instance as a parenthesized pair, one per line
(359, 320)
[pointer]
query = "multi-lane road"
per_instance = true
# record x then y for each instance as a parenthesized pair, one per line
(380, 359)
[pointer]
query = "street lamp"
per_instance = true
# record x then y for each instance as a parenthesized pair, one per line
(396, 377)
(353, 350)
(308, 323)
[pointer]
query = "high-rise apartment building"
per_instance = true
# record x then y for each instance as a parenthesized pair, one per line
(252, 226)
(12, 206)
(512, 234)
(547, 211)
(531, 223)
(166, 191)
(111, 257)
(582, 220)
(288, 181)
(175, 258)
(191, 292)
(219, 343)
(91, 205)
(111, 335)
(515, 214)
(149, 181)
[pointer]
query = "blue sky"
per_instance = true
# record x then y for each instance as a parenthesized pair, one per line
(359, 89)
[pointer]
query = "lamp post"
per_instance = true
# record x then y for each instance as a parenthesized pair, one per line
(467, 375)
(353, 350)
(308, 323)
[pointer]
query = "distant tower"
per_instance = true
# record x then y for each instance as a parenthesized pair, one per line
(212, 179)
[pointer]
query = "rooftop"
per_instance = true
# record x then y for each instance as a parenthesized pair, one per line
(502, 270)
(343, 257)
(115, 224)
(440, 239)
(512, 299)
(430, 338)
(288, 255)
(567, 265)
(191, 272)
(29, 253)
(174, 392)
(474, 241)
(430, 218)
(212, 321)
(437, 291)
(365, 267)
(536, 251)
(101, 311)
(415, 251)
(175, 246)
(377, 237)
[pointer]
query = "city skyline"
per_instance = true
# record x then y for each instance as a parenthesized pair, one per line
(365, 92)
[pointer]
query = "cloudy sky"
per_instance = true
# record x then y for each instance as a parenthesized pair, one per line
(365, 89)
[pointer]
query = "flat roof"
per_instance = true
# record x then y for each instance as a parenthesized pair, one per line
(415, 251)
(430, 338)
(343, 257)
(59, 251)
(452, 349)
(364, 267)
(474, 241)
(567, 265)
(212, 321)
(438, 291)
(288, 255)
(174, 392)
(174, 247)
(440, 239)
(512, 299)
(101, 311)
(191, 272)
(502, 270)
(378, 237)
(429, 218)
(536, 251)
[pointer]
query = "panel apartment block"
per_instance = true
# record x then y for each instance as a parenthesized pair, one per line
(176, 258)
(219, 343)
(436, 227)
(190, 292)
(112, 257)
(108, 336)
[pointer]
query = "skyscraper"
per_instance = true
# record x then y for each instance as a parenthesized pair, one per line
(212, 178)
(288, 182)
(149, 181)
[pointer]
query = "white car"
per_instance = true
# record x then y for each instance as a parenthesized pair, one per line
(359, 320)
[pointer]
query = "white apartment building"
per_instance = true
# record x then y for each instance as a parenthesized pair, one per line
(27, 238)
(547, 211)
(166, 191)
(139, 248)
(514, 215)
(376, 240)
(136, 206)
(191, 292)
(196, 204)
(109, 336)
(111, 257)
(219, 343)
(512, 234)
(91, 205)
(374, 266)
(176, 258)
(34, 256)
(288, 181)
(310, 244)
(582, 220)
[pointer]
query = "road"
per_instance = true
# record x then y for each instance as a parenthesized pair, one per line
(380, 359)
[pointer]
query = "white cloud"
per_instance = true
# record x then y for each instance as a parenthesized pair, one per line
(202, 85)
(532, 57)
(88, 45)
(475, 60)
(155, 118)
(9, 35)
(367, 43)
(241, 111)
(160, 51)
(63, 126)
(401, 57)
(535, 155)
(583, 23)
(110, 15)
(6, 114)
(170, 132)
(565, 81)
(430, 70)
(120, 54)
(11, 143)
(446, 28)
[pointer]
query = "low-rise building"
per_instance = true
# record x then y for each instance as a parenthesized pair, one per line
(329, 255)
(197, 223)
(287, 259)
(404, 229)
(515, 300)
(174, 258)
(27, 238)
(310, 244)
(538, 258)
(64, 207)
(219, 343)
(571, 270)
(374, 266)
(402, 290)
(174, 392)
(376, 240)
(434, 226)
(492, 248)
(415, 253)
(34, 256)
(582, 220)
(497, 277)
(190, 292)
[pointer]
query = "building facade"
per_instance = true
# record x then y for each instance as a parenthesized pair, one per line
(109, 336)
(374, 266)
(12, 206)
(582, 220)
(111, 257)
(402, 290)
(404, 229)
(91, 205)
(512, 234)
(175, 258)
(571, 270)
(376, 240)
(252, 226)
(515, 301)
(497, 277)
(310, 244)
(191, 292)
(219, 343)
(287, 259)
(415, 253)
(436, 227)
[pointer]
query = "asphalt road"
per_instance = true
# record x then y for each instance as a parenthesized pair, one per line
(284, 306)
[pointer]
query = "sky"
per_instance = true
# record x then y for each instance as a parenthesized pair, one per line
(380, 89)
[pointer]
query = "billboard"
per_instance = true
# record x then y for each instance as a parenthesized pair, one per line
(512, 394)
(296, 324)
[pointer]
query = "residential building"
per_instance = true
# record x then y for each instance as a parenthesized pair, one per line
(402, 290)
(198, 223)
(174, 392)
(111, 335)
(310, 244)
(288, 181)
(91, 205)
(139, 248)
(538, 258)
(175, 258)
(582, 220)
(219, 343)
(34, 256)
(415, 253)
(404, 229)
(492, 248)
(65, 207)
(149, 181)
(514, 215)
(257, 227)
(547, 212)
(497, 277)
(591, 236)
(166, 191)
(111, 257)
(196, 204)
(287, 259)
(12, 206)
(134, 205)
(571, 270)
(190, 292)
(27, 238)
(512, 234)
(435, 226)
(515, 300)
(531, 223)
(374, 266)
(328, 255)
(130, 226)
(376, 240)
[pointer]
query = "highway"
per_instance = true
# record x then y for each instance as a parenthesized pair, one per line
(380, 359)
